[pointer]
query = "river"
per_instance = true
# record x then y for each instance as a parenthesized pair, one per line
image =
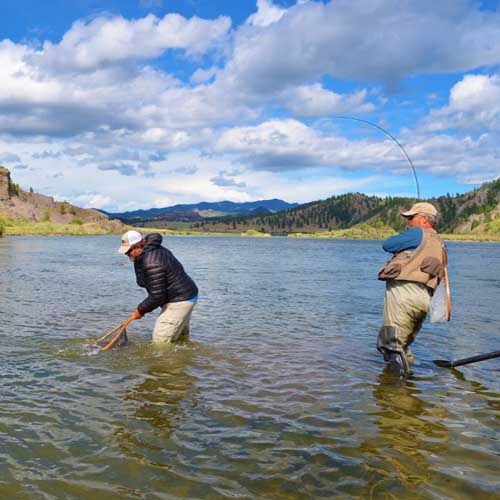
(280, 393)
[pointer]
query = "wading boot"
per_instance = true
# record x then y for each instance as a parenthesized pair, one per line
(397, 363)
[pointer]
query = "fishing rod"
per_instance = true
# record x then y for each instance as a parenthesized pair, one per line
(388, 134)
(466, 361)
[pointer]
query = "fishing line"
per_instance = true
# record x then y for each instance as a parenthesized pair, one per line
(388, 134)
(408, 159)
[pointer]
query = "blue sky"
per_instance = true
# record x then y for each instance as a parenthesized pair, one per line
(128, 104)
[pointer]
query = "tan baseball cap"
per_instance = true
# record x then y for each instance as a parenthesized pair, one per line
(129, 239)
(423, 208)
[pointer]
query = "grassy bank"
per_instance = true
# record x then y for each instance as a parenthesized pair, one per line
(52, 229)
(48, 228)
(252, 233)
(472, 237)
(359, 235)
(361, 232)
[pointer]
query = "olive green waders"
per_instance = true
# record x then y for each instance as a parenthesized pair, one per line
(405, 308)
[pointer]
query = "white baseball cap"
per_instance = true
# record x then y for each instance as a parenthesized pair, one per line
(129, 239)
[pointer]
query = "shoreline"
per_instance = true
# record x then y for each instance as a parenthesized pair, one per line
(66, 230)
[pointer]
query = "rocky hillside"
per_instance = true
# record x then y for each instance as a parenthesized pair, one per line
(18, 205)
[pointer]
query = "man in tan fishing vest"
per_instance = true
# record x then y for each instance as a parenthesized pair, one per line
(411, 277)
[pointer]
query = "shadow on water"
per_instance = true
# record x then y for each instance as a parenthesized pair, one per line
(409, 432)
(156, 406)
(415, 453)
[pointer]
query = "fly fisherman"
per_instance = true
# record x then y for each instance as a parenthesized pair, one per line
(167, 284)
(411, 276)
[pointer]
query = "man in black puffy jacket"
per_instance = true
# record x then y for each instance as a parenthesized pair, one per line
(167, 284)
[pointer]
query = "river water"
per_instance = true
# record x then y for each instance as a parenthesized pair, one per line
(280, 393)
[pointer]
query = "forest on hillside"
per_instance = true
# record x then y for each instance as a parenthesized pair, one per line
(458, 213)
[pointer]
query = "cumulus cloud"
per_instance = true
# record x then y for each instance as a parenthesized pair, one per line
(267, 13)
(344, 39)
(286, 145)
(103, 41)
(102, 99)
(464, 158)
(315, 100)
(203, 75)
(474, 105)
(92, 200)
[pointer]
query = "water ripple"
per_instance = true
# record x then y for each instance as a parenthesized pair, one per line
(279, 395)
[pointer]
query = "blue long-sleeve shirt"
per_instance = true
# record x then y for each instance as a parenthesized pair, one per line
(409, 240)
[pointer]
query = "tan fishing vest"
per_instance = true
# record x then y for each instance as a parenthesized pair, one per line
(423, 265)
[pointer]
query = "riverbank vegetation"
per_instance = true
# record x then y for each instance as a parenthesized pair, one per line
(253, 233)
(375, 231)
(47, 228)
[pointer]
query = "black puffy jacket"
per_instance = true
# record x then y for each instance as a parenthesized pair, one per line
(162, 275)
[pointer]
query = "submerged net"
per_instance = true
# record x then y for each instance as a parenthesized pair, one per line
(438, 311)
(96, 347)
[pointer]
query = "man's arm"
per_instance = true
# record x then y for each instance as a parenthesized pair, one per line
(409, 240)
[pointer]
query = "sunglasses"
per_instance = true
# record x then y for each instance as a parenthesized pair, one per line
(411, 217)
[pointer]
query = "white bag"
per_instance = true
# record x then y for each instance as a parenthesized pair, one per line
(438, 310)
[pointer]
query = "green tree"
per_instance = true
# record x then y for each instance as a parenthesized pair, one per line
(62, 208)
(77, 220)
(46, 215)
(14, 189)
(2, 226)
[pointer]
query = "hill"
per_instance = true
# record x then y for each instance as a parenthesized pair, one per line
(476, 212)
(32, 212)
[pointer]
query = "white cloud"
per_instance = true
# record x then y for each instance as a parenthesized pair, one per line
(286, 145)
(203, 75)
(378, 41)
(315, 100)
(266, 14)
(92, 200)
(474, 105)
(102, 41)
(462, 158)
(100, 105)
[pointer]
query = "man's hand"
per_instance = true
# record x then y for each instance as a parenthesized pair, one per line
(137, 315)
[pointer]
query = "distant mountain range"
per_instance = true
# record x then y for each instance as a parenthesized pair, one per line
(201, 211)
(477, 211)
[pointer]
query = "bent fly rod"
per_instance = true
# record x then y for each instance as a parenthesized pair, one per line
(414, 171)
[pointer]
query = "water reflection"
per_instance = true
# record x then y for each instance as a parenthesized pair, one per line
(155, 407)
(409, 432)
